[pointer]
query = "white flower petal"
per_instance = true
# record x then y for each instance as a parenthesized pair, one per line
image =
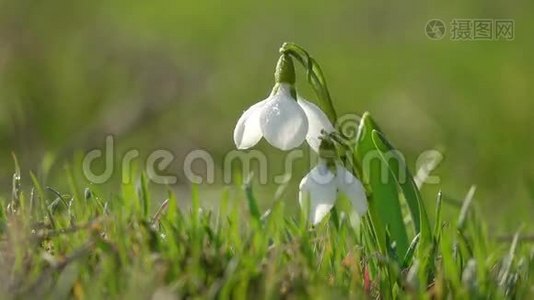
(283, 122)
(321, 194)
(317, 121)
(353, 189)
(247, 132)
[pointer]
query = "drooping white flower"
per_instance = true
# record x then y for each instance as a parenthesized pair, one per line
(279, 119)
(284, 122)
(321, 186)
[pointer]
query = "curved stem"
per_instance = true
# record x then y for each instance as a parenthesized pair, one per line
(314, 76)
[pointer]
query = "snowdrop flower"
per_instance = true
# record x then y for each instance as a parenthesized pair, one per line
(279, 119)
(322, 186)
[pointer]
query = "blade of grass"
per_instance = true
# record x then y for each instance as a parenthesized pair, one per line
(465, 208)
(251, 200)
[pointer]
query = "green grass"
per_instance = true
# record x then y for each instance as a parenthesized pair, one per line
(87, 241)
(81, 244)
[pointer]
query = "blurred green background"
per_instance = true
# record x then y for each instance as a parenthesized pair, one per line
(178, 74)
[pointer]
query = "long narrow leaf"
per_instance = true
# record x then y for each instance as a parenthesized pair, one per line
(384, 206)
(405, 180)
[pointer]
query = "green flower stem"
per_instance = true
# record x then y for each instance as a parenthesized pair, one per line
(314, 75)
(317, 80)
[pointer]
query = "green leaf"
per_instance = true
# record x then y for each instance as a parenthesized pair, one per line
(74, 189)
(384, 206)
(404, 179)
(144, 195)
(437, 224)
(251, 200)
(40, 192)
(466, 205)
(407, 261)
